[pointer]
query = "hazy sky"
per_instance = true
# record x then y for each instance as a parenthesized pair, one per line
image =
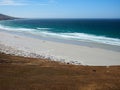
(61, 8)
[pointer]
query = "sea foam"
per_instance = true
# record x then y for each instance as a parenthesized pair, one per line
(70, 36)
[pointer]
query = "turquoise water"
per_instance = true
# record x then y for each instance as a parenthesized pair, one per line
(105, 31)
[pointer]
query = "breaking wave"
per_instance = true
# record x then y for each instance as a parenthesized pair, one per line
(47, 32)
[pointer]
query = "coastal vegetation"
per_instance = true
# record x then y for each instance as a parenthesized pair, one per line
(20, 73)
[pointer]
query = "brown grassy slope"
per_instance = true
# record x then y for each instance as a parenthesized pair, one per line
(19, 73)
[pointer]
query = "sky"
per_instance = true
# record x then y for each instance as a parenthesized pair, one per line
(61, 8)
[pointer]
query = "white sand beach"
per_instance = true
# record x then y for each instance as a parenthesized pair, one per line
(32, 47)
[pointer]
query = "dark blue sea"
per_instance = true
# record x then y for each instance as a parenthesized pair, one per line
(106, 31)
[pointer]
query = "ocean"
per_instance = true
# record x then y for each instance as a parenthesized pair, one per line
(104, 31)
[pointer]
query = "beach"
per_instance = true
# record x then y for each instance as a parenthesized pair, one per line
(16, 44)
(32, 61)
(59, 44)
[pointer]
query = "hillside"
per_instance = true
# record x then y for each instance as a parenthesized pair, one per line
(6, 17)
(20, 73)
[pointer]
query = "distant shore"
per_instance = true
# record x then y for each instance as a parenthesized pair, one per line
(6, 17)
(11, 43)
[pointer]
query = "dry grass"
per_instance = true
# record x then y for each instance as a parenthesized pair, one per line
(19, 73)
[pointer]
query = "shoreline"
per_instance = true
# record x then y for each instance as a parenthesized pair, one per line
(66, 41)
(16, 44)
